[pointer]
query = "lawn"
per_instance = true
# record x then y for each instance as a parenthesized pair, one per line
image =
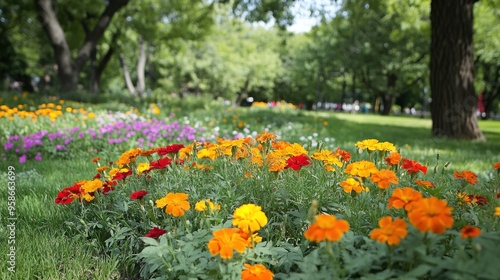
(49, 245)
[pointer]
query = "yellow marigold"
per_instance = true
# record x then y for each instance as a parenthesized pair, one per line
(102, 168)
(205, 204)
(225, 241)
(431, 214)
(404, 198)
(249, 217)
(351, 184)
(361, 168)
(295, 150)
(256, 157)
(367, 144)
(385, 146)
(384, 178)
(210, 153)
(390, 232)
(497, 211)
(469, 232)
(256, 272)
(328, 157)
(92, 186)
(185, 153)
(115, 170)
(326, 227)
(467, 175)
(176, 204)
(141, 167)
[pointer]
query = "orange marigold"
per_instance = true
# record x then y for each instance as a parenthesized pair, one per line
(266, 136)
(351, 184)
(326, 227)
(469, 231)
(361, 168)
(469, 176)
(431, 214)
(393, 159)
(176, 204)
(425, 184)
(390, 232)
(225, 241)
(384, 178)
(404, 198)
(497, 165)
(256, 272)
(343, 155)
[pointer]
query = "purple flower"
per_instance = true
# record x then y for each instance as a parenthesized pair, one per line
(23, 158)
(38, 156)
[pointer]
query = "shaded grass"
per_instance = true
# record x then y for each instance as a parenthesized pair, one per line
(44, 249)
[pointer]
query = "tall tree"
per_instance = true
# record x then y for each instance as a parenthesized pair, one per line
(68, 68)
(454, 100)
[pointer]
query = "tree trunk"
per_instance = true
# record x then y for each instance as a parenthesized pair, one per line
(141, 69)
(454, 102)
(126, 76)
(388, 96)
(69, 69)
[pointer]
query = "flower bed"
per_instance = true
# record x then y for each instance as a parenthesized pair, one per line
(258, 208)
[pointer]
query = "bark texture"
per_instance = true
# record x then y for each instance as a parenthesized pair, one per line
(454, 101)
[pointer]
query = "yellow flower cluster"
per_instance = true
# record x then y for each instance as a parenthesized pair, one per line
(50, 110)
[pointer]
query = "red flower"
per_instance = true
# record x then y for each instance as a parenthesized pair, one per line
(160, 164)
(108, 186)
(156, 232)
(477, 199)
(498, 195)
(66, 195)
(138, 194)
(172, 149)
(344, 155)
(122, 175)
(97, 176)
(296, 162)
(413, 167)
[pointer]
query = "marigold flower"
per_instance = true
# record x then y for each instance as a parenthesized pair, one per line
(297, 162)
(205, 204)
(249, 217)
(361, 168)
(250, 238)
(142, 167)
(92, 186)
(413, 167)
(393, 159)
(256, 272)
(497, 211)
(155, 232)
(469, 232)
(368, 144)
(385, 146)
(328, 158)
(390, 232)
(66, 195)
(384, 178)
(404, 198)
(496, 165)
(351, 184)
(326, 227)
(160, 163)
(266, 136)
(431, 214)
(171, 149)
(96, 159)
(225, 241)
(210, 153)
(477, 199)
(343, 155)
(176, 204)
(138, 194)
(425, 184)
(128, 157)
(467, 175)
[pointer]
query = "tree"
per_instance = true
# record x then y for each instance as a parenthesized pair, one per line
(68, 68)
(454, 100)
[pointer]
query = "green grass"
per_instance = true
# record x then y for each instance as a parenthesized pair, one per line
(46, 251)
